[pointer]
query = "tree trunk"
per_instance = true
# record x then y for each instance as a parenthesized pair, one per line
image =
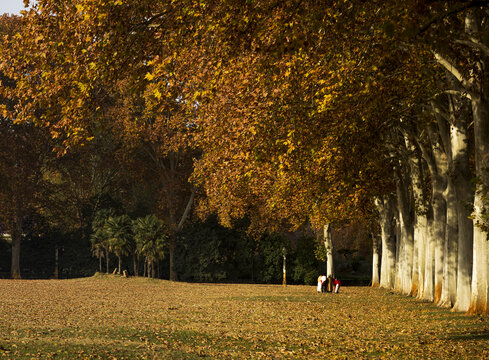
(464, 194)
(476, 88)
(119, 265)
(439, 180)
(449, 287)
(406, 249)
(328, 244)
(135, 264)
(439, 226)
(421, 233)
(429, 263)
(418, 179)
(480, 288)
(16, 240)
(388, 237)
(375, 261)
(437, 161)
(107, 260)
(173, 273)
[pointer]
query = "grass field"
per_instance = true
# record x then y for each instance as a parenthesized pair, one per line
(111, 317)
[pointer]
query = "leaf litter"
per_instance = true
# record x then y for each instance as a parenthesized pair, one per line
(110, 317)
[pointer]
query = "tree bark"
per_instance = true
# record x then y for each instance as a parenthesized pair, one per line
(437, 161)
(406, 249)
(417, 176)
(328, 244)
(375, 261)
(385, 207)
(107, 260)
(172, 247)
(464, 195)
(449, 287)
(16, 241)
(421, 233)
(480, 288)
(429, 262)
(135, 264)
(173, 237)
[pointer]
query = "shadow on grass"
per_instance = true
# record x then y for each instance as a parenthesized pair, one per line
(481, 335)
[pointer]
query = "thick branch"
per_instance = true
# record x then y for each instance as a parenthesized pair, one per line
(454, 92)
(470, 4)
(187, 210)
(452, 70)
(473, 42)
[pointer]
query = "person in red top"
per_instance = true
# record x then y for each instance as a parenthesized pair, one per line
(337, 285)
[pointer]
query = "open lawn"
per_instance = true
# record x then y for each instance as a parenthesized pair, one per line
(117, 318)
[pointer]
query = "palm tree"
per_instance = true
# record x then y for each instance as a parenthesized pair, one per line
(119, 232)
(100, 238)
(151, 240)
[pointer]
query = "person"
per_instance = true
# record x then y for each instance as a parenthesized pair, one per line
(323, 283)
(337, 285)
(330, 284)
(320, 284)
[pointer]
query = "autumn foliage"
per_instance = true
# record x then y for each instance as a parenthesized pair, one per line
(300, 113)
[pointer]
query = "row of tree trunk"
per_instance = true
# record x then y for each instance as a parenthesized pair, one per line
(434, 239)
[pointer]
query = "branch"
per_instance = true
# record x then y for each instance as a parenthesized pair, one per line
(452, 70)
(463, 94)
(187, 210)
(473, 42)
(471, 4)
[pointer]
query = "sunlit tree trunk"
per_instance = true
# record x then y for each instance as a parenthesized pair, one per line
(464, 194)
(449, 287)
(475, 87)
(443, 153)
(428, 292)
(418, 180)
(375, 261)
(398, 231)
(387, 226)
(480, 272)
(421, 233)
(440, 220)
(328, 244)
(406, 247)
(437, 162)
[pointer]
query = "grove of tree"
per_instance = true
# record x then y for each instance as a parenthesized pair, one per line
(292, 115)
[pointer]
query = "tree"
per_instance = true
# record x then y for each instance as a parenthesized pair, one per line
(151, 240)
(24, 152)
(119, 235)
(100, 237)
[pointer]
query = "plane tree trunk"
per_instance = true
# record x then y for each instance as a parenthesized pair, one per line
(385, 206)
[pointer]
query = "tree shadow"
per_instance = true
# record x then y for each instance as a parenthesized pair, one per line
(472, 335)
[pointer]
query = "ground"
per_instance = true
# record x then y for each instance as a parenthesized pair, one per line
(112, 317)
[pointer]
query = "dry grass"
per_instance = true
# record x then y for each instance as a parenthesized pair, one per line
(112, 317)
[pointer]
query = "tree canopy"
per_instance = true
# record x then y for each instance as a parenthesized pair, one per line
(289, 113)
